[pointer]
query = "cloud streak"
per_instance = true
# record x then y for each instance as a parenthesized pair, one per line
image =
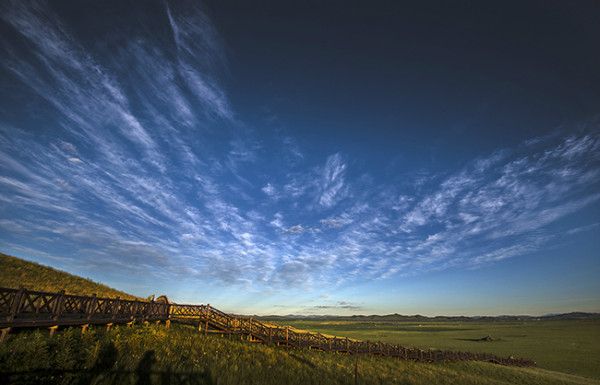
(332, 184)
(145, 167)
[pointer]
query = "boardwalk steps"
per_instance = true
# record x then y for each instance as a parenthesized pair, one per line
(21, 308)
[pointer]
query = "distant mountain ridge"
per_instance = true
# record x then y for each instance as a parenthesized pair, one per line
(422, 318)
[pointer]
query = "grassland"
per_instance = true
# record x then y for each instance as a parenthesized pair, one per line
(16, 272)
(568, 346)
(155, 355)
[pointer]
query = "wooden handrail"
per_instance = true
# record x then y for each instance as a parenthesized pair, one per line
(30, 308)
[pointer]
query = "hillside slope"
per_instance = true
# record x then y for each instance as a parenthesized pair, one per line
(16, 272)
(152, 354)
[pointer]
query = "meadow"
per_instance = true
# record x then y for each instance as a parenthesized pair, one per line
(153, 354)
(568, 346)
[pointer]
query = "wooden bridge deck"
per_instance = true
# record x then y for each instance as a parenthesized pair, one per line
(20, 308)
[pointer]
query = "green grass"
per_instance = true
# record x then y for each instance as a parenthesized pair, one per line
(153, 354)
(568, 346)
(15, 272)
(180, 355)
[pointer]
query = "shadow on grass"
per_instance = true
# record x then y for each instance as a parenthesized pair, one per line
(112, 377)
(103, 372)
(302, 360)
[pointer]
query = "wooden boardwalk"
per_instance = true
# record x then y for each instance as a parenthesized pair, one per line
(20, 308)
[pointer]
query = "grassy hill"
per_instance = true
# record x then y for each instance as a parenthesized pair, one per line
(16, 272)
(152, 354)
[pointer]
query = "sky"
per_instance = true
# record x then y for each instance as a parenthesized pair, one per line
(308, 158)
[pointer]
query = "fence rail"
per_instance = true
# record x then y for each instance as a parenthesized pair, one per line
(28, 308)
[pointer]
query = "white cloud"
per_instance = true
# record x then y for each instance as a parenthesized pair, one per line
(160, 188)
(277, 221)
(336, 222)
(270, 190)
(296, 229)
(332, 184)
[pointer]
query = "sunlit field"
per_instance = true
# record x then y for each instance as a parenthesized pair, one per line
(180, 355)
(571, 346)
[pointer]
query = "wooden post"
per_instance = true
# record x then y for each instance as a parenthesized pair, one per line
(58, 305)
(206, 313)
(206, 325)
(287, 335)
(146, 310)
(115, 308)
(4, 334)
(91, 307)
(16, 304)
(356, 371)
(169, 310)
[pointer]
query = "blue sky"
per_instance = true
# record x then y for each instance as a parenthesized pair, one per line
(282, 159)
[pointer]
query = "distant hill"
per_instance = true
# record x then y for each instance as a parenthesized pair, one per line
(422, 318)
(16, 272)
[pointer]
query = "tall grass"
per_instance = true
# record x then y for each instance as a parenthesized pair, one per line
(180, 355)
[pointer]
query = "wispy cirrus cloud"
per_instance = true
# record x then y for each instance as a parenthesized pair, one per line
(340, 305)
(198, 47)
(336, 222)
(141, 164)
(96, 161)
(332, 184)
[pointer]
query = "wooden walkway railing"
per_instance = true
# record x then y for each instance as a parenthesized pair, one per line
(27, 308)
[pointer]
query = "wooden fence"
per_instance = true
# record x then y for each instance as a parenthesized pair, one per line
(27, 308)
